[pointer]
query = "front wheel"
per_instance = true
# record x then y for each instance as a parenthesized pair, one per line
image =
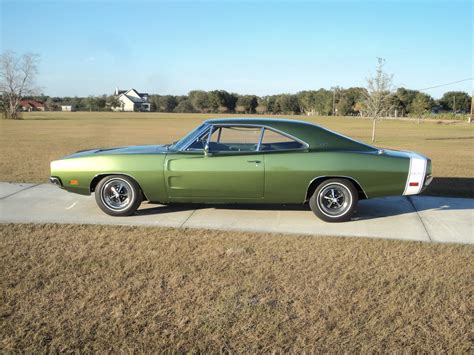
(334, 200)
(118, 195)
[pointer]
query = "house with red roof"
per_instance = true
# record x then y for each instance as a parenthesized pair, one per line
(31, 105)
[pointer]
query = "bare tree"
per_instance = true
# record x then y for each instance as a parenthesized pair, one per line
(17, 79)
(377, 101)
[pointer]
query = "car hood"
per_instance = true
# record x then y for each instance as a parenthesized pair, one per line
(134, 149)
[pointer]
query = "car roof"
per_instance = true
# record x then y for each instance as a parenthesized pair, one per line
(315, 136)
(259, 121)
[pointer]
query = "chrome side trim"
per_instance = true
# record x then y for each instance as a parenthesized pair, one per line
(332, 177)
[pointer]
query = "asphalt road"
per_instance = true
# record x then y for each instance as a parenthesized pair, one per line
(422, 218)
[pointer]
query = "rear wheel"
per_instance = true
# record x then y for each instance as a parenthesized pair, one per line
(118, 195)
(334, 200)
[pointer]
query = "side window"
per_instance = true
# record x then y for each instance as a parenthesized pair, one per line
(234, 139)
(275, 141)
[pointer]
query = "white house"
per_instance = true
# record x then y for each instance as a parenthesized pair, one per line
(131, 100)
(67, 108)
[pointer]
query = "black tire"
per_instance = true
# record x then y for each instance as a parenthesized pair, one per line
(334, 200)
(118, 195)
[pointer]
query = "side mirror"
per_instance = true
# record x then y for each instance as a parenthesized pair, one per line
(206, 150)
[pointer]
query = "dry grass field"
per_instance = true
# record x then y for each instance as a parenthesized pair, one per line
(27, 146)
(68, 288)
(102, 289)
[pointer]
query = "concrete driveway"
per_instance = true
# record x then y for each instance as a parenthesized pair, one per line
(422, 218)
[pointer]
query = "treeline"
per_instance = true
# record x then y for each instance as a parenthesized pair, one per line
(341, 102)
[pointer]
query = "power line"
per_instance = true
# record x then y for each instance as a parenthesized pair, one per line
(451, 83)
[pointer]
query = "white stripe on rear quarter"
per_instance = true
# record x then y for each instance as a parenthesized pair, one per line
(416, 174)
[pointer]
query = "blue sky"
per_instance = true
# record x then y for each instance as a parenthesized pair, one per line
(259, 47)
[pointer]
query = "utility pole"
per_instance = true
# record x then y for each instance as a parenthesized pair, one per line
(334, 101)
(454, 104)
(471, 116)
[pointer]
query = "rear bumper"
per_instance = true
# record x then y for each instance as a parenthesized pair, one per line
(428, 180)
(56, 181)
(419, 174)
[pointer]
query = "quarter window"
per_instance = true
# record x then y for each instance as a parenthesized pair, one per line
(275, 141)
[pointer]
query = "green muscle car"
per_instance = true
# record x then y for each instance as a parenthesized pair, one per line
(245, 160)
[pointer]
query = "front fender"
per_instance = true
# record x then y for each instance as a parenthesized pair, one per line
(78, 174)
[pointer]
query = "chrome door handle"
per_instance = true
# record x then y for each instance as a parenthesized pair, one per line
(254, 161)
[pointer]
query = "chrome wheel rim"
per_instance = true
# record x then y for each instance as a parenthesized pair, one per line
(117, 194)
(334, 200)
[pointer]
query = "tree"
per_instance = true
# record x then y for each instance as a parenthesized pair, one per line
(17, 79)
(166, 103)
(379, 87)
(397, 106)
(221, 101)
(456, 101)
(51, 104)
(402, 100)
(347, 100)
(315, 102)
(262, 107)
(306, 102)
(91, 103)
(323, 102)
(246, 104)
(422, 104)
(113, 102)
(288, 104)
(184, 106)
(359, 108)
(200, 100)
(266, 104)
(78, 103)
(101, 102)
(471, 116)
(3, 105)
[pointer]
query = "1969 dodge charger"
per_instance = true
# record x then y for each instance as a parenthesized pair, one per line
(245, 160)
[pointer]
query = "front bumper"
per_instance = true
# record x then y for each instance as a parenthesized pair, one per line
(56, 181)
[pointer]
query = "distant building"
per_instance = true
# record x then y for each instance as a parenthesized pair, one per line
(31, 105)
(67, 108)
(131, 100)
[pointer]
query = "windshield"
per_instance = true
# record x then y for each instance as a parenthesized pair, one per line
(183, 142)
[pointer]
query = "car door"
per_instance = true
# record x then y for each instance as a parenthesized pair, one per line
(229, 169)
(288, 167)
